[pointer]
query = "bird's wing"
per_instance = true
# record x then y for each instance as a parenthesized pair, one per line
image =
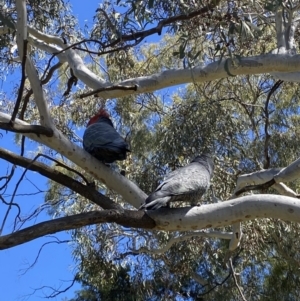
(119, 142)
(184, 180)
(103, 135)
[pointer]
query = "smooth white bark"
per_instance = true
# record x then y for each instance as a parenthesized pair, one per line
(260, 177)
(281, 65)
(285, 32)
(289, 173)
(284, 190)
(48, 48)
(256, 178)
(236, 236)
(217, 215)
(74, 60)
(31, 72)
(49, 39)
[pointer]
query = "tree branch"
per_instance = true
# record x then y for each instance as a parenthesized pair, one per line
(109, 88)
(236, 236)
(44, 81)
(256, 178)
(31, 71)
(26, 129)
(127, 218)
(268, 63)
(285, 190)
(267, 122)
(226, 213)
(138, 37)
(87, 191)
(279, 29)
(268, 177)
(56, 241)
(289, 173)
(22, 84)
(7, 178)
(263, 186)
(178, 219)
(168, 78)
(235, 281)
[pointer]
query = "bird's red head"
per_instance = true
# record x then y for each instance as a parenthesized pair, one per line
(102, 113)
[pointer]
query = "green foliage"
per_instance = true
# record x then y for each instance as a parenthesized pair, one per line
(165, 130)
(228, 116)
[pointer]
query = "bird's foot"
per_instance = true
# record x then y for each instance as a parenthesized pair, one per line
(91, 184)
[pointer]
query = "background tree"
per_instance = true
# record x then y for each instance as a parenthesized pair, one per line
(235, 63)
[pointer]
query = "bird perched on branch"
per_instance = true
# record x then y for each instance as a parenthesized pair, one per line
(102, 141)
(185, 184)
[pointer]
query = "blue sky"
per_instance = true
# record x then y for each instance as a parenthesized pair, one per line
(55, 266)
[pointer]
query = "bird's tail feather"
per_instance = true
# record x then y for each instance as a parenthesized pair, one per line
(159, 194)
(156, 204)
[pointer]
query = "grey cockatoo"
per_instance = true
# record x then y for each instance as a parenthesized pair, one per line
(185, 184)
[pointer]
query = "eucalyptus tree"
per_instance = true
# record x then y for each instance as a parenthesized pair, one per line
(237, 64)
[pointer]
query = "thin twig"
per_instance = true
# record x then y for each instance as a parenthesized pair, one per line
(267, 122)
(40, 250)
(43, 81)
(22, 84)
(235, 280)
(109, 88)
(216, 285)
(58, 163)
(10, 204)
(55, 292)
(8, 178)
